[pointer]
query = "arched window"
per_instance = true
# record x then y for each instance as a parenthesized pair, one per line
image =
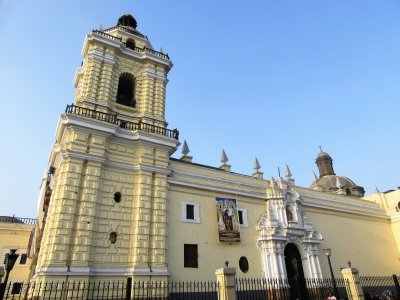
(126, 90)
(130, 44)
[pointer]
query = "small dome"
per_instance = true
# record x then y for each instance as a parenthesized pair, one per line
(128, 21)
(330, 181)
(323, 154)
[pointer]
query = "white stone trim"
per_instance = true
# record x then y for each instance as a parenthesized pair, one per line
(101, 271)
(196, 212)
(155, 74)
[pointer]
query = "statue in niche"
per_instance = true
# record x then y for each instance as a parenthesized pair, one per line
(289, 214)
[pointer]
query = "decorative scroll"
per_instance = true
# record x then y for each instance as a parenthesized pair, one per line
(228, 220)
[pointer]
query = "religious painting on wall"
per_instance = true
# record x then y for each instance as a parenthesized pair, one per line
(228, 220)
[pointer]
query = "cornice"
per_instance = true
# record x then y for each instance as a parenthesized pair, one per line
(345, 210)
(214, 188)
(303, 195)
(218, 180)
(107, 130)
(123, 50)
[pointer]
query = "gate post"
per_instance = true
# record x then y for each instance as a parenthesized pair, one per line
(226, 283)
(128, 288)
(354, 288)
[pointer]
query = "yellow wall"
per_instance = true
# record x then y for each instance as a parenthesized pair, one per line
(365, 241)
(15, 236)
(212, 253)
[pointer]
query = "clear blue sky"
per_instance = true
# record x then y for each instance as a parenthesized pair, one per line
(266, 78)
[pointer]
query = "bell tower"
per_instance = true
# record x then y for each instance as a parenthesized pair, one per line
(107, 213)
(121, 73)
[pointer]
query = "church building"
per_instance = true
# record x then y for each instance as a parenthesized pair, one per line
(116, 204)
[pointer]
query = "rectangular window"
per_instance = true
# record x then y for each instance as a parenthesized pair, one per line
(23, 259)
(189, 211)
(190, 256)
(16, 288)
(242, 212)
(240, 217)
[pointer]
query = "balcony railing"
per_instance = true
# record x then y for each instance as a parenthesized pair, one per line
(127, 101)
(113, 119)
(136, 49)
(109, 36)
(17, 220)
(127, 30)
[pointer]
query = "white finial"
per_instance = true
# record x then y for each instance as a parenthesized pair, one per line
(161, 50)
(256, 165)
(100, 27)
(315, 178)
(185, 148)
(377, 190)
(288, 174)
(272, 179)
(224, 158)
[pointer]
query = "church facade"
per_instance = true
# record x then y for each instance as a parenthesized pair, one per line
(116, 204)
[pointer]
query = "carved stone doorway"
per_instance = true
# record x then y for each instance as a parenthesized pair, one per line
(295, 273)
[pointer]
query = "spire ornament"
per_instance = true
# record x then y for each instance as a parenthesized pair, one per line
(257, 167)
(288, 174)
(185, 152)
(185, 148)
(224, 160)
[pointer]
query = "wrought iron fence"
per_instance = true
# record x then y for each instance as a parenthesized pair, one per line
(66, 290)
(196, 290)
(112, 118)
(286, 289)
(199, 290)
(246, 289)
(319, 288)
(380, 287)
(255, 288)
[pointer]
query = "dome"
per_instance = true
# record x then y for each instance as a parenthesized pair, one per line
(128, 21)
(331, 181)
(323, 154)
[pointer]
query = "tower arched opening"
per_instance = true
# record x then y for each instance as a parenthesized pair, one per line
(126, 90)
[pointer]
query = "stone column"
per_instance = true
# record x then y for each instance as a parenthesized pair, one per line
(351, 277)
(226, 283)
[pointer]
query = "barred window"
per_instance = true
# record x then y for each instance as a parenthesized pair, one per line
(23, 259)
(190, 256)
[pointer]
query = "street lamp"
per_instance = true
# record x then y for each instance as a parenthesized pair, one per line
(1, 273)
(328, 253)
(10, 260)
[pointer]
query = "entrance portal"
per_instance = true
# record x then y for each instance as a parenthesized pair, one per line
(295, 274)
